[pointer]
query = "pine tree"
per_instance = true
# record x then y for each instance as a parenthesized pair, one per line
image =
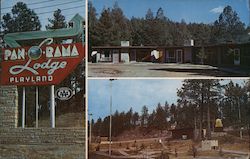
(135, 119)
(120, 29)
(22, 19)
(202, 93)
(104, 28)
(58, 21)
(235, 104)
(144, 116)
(160, 118)
(228, 27)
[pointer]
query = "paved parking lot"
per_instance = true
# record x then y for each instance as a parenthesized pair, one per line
(156, 70)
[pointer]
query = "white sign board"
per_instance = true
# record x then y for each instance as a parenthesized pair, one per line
(124, 43)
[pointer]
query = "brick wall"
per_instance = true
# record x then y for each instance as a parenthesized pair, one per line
(29, 136)
(8, 106)
(11, 134)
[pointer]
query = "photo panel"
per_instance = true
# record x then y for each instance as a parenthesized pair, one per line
(168, 118)
(168, 38)
(42, 79)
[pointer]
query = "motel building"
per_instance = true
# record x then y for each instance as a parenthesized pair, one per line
(223, 54)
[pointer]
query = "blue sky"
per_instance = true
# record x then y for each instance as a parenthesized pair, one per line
(133, 93)
(48, 6)
(206, 11)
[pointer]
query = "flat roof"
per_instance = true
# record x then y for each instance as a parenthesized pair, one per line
(164, 47)
(137, 47)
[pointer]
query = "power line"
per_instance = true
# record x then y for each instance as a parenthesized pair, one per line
(65, 15)
(61, 9)
(57, 4)
(50, 6)
(31, 3)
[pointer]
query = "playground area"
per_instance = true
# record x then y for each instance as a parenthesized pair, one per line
(165, 148)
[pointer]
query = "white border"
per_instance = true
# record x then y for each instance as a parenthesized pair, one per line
(126, 78)
(86, 79)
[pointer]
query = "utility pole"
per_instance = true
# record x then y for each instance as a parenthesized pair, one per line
(240, 118)
(90, 127)
(110, 117)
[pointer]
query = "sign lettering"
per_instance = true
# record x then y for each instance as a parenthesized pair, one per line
(40, 65)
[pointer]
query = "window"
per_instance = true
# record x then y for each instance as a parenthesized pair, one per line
(171, 54)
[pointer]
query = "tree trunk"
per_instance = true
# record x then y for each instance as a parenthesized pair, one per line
(201, 115)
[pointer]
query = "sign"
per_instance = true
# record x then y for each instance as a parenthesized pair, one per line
(64, 93)
(40, 65)
(124, 43)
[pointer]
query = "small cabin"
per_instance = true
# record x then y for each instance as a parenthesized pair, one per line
(183, 133)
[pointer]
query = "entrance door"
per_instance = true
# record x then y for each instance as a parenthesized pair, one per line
(115, 56)
(236, 56)
(179, 56)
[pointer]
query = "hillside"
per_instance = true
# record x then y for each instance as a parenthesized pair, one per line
(139, 133)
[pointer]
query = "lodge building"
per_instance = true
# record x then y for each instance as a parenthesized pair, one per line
(230, 53)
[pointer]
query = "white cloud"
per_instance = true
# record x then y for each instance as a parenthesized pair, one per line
(217, 10)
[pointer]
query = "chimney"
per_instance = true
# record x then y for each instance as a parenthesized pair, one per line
(189, 42)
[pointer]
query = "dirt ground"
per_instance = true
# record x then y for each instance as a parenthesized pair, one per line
(155, 70)
(173, 148)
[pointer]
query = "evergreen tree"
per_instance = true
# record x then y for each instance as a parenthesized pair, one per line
(58, 21)
(149, 15)
(22, 19)
(228, 27)
(160, 118)
(104, 28)
(120, 29)
(235, 104)
(152, 123)
(128, 119)
(144, 116)
(137, 31)
(202, 93)
(135, 119)
(162, 36)
(97, 127)
(173, 113)
(93, 37)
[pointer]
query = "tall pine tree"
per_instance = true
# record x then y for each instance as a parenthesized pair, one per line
(22, 19)
(58, 21)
